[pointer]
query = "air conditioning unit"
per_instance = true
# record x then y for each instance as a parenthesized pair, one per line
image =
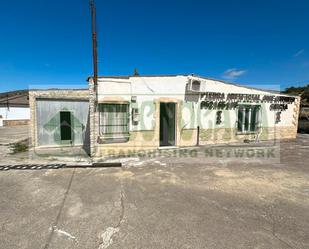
(194, 85)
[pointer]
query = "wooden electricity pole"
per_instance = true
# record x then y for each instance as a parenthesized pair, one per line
(94, 43)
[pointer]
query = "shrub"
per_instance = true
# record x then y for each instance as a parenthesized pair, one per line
(18, 147)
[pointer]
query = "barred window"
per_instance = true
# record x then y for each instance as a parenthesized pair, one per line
(114, 120)
(248, 118)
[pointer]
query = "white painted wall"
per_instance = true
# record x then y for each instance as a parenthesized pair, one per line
(147, 89)
(14, 113)
(268, 117)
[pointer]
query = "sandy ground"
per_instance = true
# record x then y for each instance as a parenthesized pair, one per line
(163, 202)
(14, 134)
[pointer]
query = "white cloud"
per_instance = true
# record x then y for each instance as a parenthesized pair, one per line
(298, 53)
(233, 73)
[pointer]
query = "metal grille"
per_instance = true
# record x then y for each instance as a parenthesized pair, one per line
(114, 120)
(248, 118)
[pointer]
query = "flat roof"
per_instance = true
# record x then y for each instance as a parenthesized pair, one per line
(198, 76)
(60, 89)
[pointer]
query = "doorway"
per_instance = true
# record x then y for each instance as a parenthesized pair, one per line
(65, 126)
(167, 124)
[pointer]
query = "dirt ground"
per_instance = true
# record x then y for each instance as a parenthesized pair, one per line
(207, 200)
(15, 134)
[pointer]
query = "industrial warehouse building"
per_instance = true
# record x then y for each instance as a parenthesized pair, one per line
(14, 108)
(127, 114)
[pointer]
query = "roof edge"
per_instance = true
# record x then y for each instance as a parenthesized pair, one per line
(198, 76)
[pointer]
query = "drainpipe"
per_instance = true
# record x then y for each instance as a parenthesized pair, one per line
(198, 136)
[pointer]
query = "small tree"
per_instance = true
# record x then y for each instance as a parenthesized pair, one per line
(302, 91)
(136, 72)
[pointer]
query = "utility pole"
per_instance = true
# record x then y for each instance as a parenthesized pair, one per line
(93, 89)
(94, 44)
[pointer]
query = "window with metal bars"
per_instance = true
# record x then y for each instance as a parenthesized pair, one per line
(114, 120)
(248, 118)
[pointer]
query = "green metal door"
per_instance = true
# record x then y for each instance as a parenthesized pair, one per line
(167, 124)
(65, 126)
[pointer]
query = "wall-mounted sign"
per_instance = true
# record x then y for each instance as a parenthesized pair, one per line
(212, 105)
(217, 100)
(219, 117)
(212, 96)
(278, 107)
(243, 97)
(278, 117)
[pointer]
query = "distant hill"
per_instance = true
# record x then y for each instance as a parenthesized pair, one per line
(302, 91)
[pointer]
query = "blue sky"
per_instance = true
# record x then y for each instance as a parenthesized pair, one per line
(48, 42)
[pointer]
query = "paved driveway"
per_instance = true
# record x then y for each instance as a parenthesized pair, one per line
(166, 202)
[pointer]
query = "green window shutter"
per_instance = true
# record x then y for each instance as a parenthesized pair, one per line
(74, 126)
(248, 118)
(254, 118)
(247, 113)
(240, 119)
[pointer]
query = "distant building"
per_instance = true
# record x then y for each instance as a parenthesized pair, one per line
(14, 108)
(131, 113)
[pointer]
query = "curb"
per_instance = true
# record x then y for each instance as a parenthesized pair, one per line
(56, 166)
(32, 166)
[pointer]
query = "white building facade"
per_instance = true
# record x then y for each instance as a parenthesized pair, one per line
(134, 113)
(14, 114)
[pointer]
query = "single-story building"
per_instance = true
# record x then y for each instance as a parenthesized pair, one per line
(59, 117)
(14, 108)
(132, 113)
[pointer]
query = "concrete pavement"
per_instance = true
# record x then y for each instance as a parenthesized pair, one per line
(162, 203)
